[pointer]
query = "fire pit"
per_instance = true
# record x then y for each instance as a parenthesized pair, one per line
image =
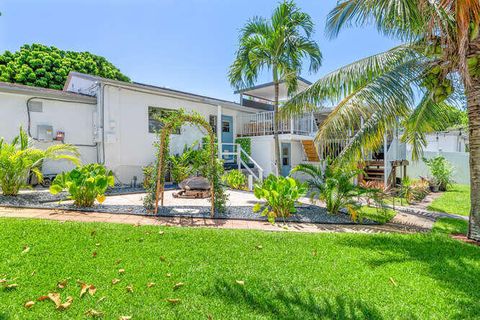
(194, 188)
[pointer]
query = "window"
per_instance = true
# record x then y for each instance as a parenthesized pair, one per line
(154, 114)
(213, 123)
(225, 126)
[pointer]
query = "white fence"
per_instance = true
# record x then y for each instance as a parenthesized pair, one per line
(459, 161)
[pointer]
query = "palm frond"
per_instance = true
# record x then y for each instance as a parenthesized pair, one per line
(398, 18)
(346, 80)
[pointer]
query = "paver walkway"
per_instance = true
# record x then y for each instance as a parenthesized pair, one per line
(61, 215)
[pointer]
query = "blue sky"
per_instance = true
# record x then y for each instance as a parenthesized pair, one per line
(185, 45)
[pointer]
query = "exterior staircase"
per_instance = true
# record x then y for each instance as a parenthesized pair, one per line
(310, 151)
(374, 171)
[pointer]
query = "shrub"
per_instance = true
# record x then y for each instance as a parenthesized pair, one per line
(414, 190)
(246, 144)
(441, 171)
(280, 195)
(235, 179)
(148, 175)
(84, 184)
(19, 158)
(333, 185)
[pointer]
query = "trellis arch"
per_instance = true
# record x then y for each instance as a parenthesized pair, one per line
(173, 122)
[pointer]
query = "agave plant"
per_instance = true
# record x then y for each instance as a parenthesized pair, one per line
(19, 158)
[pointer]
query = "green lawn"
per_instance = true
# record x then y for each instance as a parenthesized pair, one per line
(291, 276)
(456, 201)
(450, 226)
(377, 215)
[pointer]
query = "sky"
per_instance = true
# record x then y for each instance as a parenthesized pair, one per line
(180, 44)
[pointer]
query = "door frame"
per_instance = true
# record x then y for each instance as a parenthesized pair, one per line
(289, 166)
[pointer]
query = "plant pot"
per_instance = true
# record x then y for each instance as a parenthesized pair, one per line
(435, 188)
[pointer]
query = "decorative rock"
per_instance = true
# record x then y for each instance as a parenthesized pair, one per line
(195, 183)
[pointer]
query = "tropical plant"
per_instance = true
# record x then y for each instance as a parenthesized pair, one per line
(235, 179)
(180, 167)
(148, 177)
(280, 195)
(48, 67)
(20, 158)
(279, 45)
(414, 190)
(84, 184)
(440, 60)
(190, 161)
(333, 185)
(246, 144)
(441, 171)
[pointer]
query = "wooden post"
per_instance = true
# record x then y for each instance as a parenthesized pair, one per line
(161, 159)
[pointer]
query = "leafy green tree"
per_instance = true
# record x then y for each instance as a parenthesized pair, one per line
(279, 45)
(48, 67)
(440, 59)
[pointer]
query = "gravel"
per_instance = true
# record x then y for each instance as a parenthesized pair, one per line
(43, 199)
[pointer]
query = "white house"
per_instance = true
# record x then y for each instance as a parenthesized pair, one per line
(112, 122)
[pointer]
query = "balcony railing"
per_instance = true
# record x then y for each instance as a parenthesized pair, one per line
(261, 124)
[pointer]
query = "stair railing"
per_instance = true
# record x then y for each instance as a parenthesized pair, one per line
(240, 154)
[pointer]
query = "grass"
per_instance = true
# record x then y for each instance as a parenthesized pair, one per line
(377, 215)
(291, 276)
(450, 226)
(456, 200)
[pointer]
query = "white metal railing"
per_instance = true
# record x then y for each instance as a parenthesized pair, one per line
(261, 124)
(331, 148)
(239, 154)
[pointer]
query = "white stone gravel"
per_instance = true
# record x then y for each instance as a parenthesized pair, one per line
(239, 206)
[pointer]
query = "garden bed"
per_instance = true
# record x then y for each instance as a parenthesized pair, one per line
(125, 201)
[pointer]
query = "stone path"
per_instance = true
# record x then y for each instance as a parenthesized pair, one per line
(62, 215)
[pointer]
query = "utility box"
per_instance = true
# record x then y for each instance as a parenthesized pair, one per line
(44, 132)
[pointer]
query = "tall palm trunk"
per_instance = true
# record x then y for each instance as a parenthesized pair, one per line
(473, 104)
(275, 130)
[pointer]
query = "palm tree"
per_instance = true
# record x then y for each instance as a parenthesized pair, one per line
(18, 159)
(440, 60)
(279, 45)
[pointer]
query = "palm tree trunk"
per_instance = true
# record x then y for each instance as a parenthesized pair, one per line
(276, 139)
(473, 104)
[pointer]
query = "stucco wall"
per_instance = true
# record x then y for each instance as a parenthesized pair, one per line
(128, 143)
(75, 119)
(263, 152)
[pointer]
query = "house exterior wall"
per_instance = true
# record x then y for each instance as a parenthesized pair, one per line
(263, 152)
(73, 118)
(128, 144)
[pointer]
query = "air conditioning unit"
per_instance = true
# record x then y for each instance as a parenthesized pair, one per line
(44, 132)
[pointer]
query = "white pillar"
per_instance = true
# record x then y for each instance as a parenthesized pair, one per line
(219, 131)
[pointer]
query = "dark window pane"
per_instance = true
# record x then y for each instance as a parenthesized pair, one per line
(225, 126)
(154, 119)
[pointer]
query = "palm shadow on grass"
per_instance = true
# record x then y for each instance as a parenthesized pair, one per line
(455, 265)
(289, 303)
